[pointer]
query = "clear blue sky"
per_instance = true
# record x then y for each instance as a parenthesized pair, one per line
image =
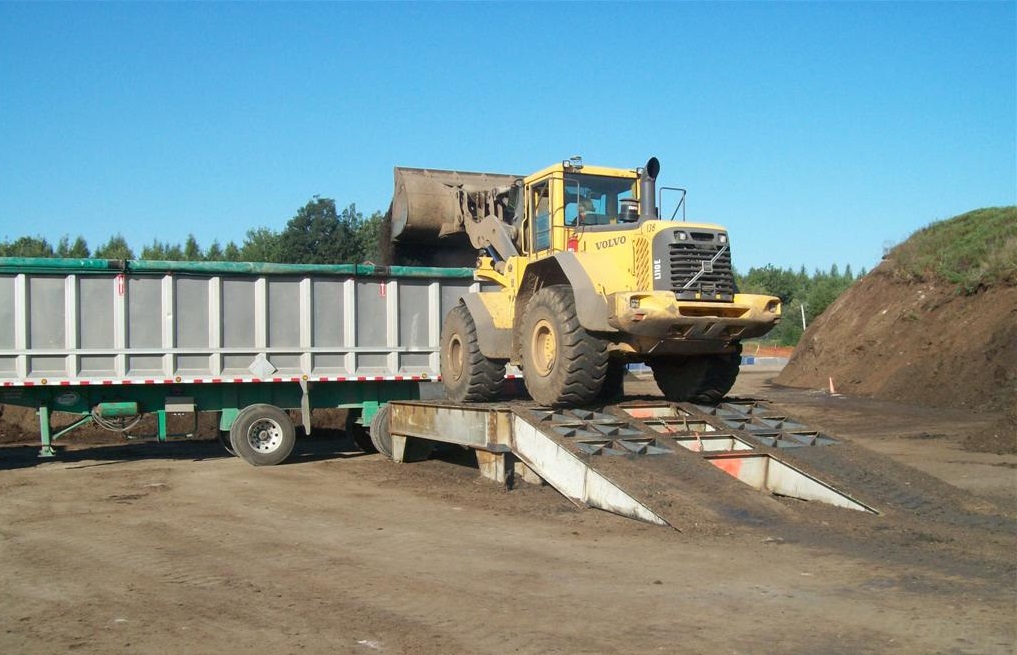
(817, 132)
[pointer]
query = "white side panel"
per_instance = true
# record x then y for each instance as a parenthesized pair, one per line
(204, 327)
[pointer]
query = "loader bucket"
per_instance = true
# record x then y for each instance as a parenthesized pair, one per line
(426, 204)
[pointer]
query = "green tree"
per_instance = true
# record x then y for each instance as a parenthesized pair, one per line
(115, 248)
(27, 247)
(261, 245)
(214, 253)
(77, 250)
(160, 251)
(231, 253)
(822, 293)
(318, 234)
(369, 238)
(772, 280)
(192, 251)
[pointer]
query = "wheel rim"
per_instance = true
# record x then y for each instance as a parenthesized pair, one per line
(455, 357)
(543, 347)
(265, 435)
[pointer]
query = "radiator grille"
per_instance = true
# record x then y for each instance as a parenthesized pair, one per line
(698, 272)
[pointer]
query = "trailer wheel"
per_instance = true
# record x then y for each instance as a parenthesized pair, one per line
(563, 364)
(263, 435)
(226, 442)
(381, 438)
(356, 431)
(467, 374)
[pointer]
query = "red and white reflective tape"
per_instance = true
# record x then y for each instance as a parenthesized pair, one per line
(46, 382)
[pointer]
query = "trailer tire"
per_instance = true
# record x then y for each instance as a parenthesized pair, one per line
(563, 364)
(356, 431)
(226, 442)
(467, 374)
(263, 435)
(381, 438)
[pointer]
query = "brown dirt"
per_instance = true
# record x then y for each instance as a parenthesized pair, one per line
(918, 343)
(178, 548)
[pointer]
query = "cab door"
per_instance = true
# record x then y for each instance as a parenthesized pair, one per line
(544, 233)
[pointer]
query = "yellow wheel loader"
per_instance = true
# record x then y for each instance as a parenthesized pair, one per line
(580, 276)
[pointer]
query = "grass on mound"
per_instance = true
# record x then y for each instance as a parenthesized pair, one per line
(974, 251)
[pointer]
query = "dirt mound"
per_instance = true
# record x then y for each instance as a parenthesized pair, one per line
(922, 343)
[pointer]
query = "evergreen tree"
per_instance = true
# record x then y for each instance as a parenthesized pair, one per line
(115, 248)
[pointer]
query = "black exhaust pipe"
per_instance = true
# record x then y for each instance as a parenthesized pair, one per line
(648, 190)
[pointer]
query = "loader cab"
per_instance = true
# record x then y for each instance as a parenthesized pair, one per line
(594, 200)
(565, 200)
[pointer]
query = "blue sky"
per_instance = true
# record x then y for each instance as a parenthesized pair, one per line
(817, 132)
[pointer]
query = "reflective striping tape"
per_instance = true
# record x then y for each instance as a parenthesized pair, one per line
(237, 380)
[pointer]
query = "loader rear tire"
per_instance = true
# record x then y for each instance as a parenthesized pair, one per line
(563, 364)
(679, 378)
(613, 388)
(721, 374)
(467, 374)
(704, 379)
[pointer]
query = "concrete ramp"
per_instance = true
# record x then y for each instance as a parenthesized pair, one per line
(643, 460)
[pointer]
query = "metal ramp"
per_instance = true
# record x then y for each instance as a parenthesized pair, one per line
(623, 458)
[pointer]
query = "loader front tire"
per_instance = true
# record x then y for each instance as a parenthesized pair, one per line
(467, 374)
(563, 364)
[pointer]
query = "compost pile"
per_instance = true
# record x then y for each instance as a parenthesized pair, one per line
(908, 332)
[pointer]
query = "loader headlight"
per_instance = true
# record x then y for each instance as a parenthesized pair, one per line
(722, 238)
(681, 236)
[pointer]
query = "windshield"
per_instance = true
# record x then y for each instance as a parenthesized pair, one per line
(598, 200)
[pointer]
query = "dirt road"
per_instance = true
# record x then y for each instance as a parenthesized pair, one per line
(179, 548)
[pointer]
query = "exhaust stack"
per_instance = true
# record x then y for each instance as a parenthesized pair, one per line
(648, 190)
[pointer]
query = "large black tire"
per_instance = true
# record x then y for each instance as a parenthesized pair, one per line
(613, 388)
(701, 379)
(263, 435)
(224, 440)
(721, 374)
(468, 376)
(563, 364)
(355, 430)
(380, 435)
(679, 378)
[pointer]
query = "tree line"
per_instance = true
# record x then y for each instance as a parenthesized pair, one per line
(797, 291)
(317, 234)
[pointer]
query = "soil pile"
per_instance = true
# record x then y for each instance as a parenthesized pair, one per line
(926, 342)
